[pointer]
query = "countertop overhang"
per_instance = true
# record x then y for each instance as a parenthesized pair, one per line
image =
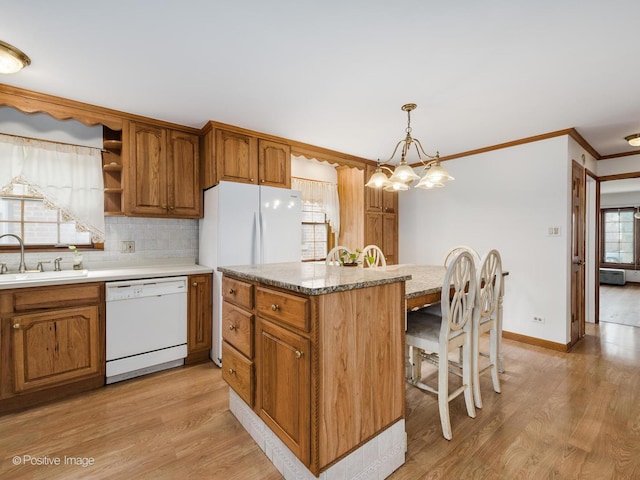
(314, 278)
(112, 274)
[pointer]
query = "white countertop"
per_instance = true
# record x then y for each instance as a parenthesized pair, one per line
(101, 275)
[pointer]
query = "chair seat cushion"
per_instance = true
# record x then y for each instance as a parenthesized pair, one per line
(423, 330)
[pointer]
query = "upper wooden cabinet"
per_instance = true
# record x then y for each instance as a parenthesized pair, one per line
(163, 178)
(236, 155)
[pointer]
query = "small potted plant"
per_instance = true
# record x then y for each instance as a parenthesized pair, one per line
(77, 257)
(350, 259)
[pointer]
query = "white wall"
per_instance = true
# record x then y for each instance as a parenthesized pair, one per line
(504, 199)
(313, 170)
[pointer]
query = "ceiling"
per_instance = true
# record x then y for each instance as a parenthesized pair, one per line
(335, 73)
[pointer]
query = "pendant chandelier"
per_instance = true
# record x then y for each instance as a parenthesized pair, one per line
(431, 175)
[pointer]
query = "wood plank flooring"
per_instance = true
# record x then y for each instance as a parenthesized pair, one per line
(620, 304)
(560, 416)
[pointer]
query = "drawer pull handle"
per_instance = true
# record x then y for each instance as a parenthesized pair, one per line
(275, 307)
(16, 326)
(232, 371)
(232, 326)
(299, 354)
(231, 291)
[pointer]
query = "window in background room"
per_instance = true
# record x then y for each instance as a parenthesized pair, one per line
(619, 242)
(27, 216)
(315, 232)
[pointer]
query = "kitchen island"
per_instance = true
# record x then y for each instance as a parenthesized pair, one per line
(314, 356)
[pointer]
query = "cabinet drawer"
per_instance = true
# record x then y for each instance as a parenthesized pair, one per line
(237, 371)
(288, 309)
(237, 328)
(238, 292)
(54, 297)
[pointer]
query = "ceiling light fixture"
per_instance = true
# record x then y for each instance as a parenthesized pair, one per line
(403, 175)
(12, 60)
(634, 140)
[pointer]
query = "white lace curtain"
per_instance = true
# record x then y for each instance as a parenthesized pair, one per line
(68, 177)
(322, 193)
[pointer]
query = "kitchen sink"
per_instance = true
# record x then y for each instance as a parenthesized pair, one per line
(40, 276)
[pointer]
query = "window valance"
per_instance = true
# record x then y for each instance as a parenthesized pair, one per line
(68, 177)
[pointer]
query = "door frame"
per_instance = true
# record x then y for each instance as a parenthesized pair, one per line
(578, 253)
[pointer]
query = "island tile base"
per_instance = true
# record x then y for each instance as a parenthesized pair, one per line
(375, 460)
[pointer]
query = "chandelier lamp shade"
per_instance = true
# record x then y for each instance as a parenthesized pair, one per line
(12, 60)
(402, 176)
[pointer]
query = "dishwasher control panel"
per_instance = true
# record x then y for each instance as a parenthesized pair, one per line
(150, 287)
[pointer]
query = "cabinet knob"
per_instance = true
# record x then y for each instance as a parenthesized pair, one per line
(16, 326)
(262, 181)
(251, 180)
(231, 371)
(164, 205)
(231, 291)
(232, 326)
(299, 354)
(172, 208)
(194, 284)
(275, 307)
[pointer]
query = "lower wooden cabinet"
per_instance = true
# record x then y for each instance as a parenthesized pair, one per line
(52, 343)
(55, 346)
(199, 318)
(283, 394)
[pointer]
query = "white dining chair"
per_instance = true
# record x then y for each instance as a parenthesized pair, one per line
(373, 257)
(435, 337)
(485, 319)
(333, 257)
(453, 251)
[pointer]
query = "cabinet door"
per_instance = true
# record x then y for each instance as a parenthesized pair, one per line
(390, 237)
(184, 198)
(372, 196)
(283, 385)
(373, 229)
(55, 347)
(236, 157)
(148, 175)
(274, 164)
(199, 318)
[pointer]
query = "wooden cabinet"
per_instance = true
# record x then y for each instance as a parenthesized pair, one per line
(237, 155)
(163, 173)
(199, 318)
(283, 395)
(52, 339)
(370, 215)
(300, 363)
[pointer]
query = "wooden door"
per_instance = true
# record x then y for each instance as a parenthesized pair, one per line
(283, 395)
(184, 198)
(55, 347)
(199, 318)
(578, 205)
(148, 175)
(236, 157)
(274, 164)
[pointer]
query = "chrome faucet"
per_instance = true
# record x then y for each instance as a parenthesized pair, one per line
(22, 268)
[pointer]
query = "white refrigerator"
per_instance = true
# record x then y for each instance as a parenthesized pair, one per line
(246, 224)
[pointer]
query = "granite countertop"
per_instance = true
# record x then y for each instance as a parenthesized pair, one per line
(66, 277)
(315, 278)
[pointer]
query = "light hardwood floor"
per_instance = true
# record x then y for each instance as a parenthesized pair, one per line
(560, 416)
(620, 304)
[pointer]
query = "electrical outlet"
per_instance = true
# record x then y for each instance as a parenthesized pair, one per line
(127, 246)
(538, 319)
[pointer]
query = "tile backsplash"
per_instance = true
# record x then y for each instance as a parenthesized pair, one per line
(157, 240)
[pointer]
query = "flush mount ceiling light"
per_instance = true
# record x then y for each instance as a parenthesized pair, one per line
(12, 60)
(634, 140)
(403, 175)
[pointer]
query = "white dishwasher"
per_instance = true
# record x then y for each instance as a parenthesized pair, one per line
(146, 325)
